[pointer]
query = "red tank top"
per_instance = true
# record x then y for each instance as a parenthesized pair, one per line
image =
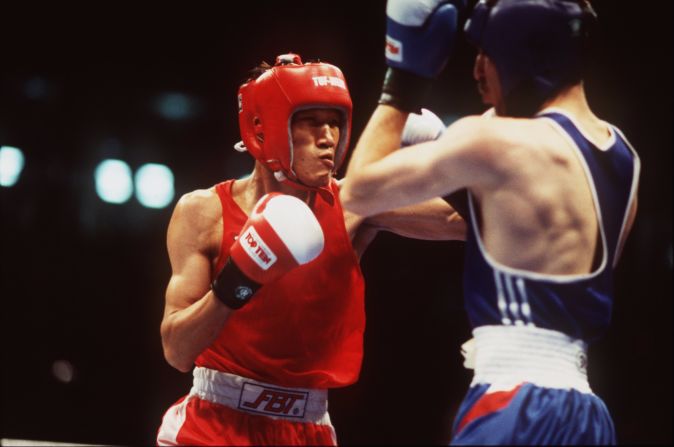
(305, 329)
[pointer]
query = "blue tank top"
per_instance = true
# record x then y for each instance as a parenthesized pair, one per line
(577, 305)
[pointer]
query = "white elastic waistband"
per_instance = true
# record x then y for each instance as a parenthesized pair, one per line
(506, 356)
(240, 393)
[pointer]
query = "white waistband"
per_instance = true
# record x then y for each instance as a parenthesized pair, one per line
(251, 396)
(506, 356)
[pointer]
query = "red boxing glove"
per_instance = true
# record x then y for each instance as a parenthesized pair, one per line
(281, 234)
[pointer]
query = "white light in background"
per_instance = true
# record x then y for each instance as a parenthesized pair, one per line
(63, 371)
(113, 181)
(154, 185)
(11, 165)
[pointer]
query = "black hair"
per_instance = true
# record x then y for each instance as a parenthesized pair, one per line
(256, 72)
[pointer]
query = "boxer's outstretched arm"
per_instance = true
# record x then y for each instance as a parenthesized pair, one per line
(433, 219)
(388, 130)
(466, 155)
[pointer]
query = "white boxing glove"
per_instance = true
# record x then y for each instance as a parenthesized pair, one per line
(281, 234)
(420, 128)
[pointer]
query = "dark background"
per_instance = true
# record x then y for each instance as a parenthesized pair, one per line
(82, 280)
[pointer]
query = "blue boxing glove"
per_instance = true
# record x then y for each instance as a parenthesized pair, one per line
(420, 35)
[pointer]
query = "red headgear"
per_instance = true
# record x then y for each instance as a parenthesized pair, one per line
(267, 105)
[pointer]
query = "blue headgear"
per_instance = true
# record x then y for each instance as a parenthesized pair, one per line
(534, 44)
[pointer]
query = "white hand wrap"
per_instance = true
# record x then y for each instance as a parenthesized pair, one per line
(468, 353)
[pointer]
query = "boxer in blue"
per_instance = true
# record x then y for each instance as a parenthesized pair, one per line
(547, 188)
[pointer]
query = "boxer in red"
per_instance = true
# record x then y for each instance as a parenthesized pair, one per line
(266, 295)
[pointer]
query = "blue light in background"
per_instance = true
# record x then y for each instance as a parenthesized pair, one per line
(113, 181)
(11, 165)
(176, 106)
(36, 88)
(154, 185)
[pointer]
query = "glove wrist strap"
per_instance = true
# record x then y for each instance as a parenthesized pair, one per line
(232, 287)
(404, 90)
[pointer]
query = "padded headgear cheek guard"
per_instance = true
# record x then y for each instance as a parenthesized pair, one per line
(267, 105)
(537, 44)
